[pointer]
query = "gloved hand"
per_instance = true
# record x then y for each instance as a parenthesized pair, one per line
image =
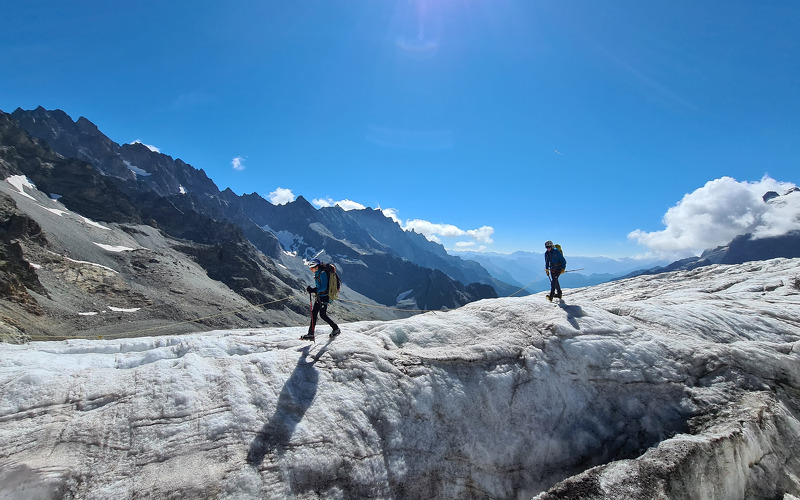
(547, 272)
(562, 272)
(311, 289)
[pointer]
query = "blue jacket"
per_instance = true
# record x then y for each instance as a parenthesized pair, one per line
(554, 260)
(321, 281)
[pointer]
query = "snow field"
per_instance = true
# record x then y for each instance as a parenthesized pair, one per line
(501, 398)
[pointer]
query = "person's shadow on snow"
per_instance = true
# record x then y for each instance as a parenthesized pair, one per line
(296, 396)
(573, 312)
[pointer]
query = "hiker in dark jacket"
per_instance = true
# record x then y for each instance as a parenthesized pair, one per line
(321, 303)
(554, 265)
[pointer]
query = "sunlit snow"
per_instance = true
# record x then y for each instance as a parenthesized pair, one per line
(93, 223)
(20, 182)
(136, 170)
(124, 309)
(113, 248)
(680, 385)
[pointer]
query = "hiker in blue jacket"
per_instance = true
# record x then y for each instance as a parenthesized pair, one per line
(554, 265)
(321, 303)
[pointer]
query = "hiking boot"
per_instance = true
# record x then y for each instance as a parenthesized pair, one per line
(549, 297)
(335, 332)
(308, 336)
(558, 296)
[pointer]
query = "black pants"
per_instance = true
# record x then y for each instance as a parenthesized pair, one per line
(555, 287)
(321, 309)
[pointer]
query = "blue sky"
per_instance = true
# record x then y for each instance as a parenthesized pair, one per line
(497, 123)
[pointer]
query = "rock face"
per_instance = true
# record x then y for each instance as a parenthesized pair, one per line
(370, 261)
(65, 262)
(682, 385)
(144, 170)
(16, 274)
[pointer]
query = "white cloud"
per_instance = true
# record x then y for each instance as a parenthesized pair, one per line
(429, 228)
(782, 217)
(433, 231)
(238, 163)
(281, 196)
(716, 213)
(483, 235)
(350, 205)
(392, 214)
(148, 146)
(323, 202)
(343, 204)
(433, 238)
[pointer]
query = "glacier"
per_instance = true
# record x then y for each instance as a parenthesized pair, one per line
(680, 385)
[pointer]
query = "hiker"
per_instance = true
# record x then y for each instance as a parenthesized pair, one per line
(321, 303)
(554, 265)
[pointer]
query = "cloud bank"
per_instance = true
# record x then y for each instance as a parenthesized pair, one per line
(435, 232)
(482, 235)
(716, 213)
(343, 204)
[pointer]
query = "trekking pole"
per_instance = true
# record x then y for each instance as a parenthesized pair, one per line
(573, 270)
(311, 311)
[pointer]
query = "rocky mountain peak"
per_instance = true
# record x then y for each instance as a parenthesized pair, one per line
(86, 127)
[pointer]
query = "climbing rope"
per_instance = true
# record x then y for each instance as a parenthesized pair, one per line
(537, 279)
(386, 307)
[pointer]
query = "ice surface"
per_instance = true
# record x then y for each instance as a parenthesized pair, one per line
(681, 385)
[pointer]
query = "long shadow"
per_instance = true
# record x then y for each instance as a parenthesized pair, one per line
(573, 312)
(296, 396)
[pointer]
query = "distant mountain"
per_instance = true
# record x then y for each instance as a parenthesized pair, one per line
(361, 235)
(527, 268)
(741, 249)
(376, 258)
(367, 257)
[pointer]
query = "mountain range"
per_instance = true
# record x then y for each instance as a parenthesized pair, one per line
(248, 249)
(526, 269)
(254, 248)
